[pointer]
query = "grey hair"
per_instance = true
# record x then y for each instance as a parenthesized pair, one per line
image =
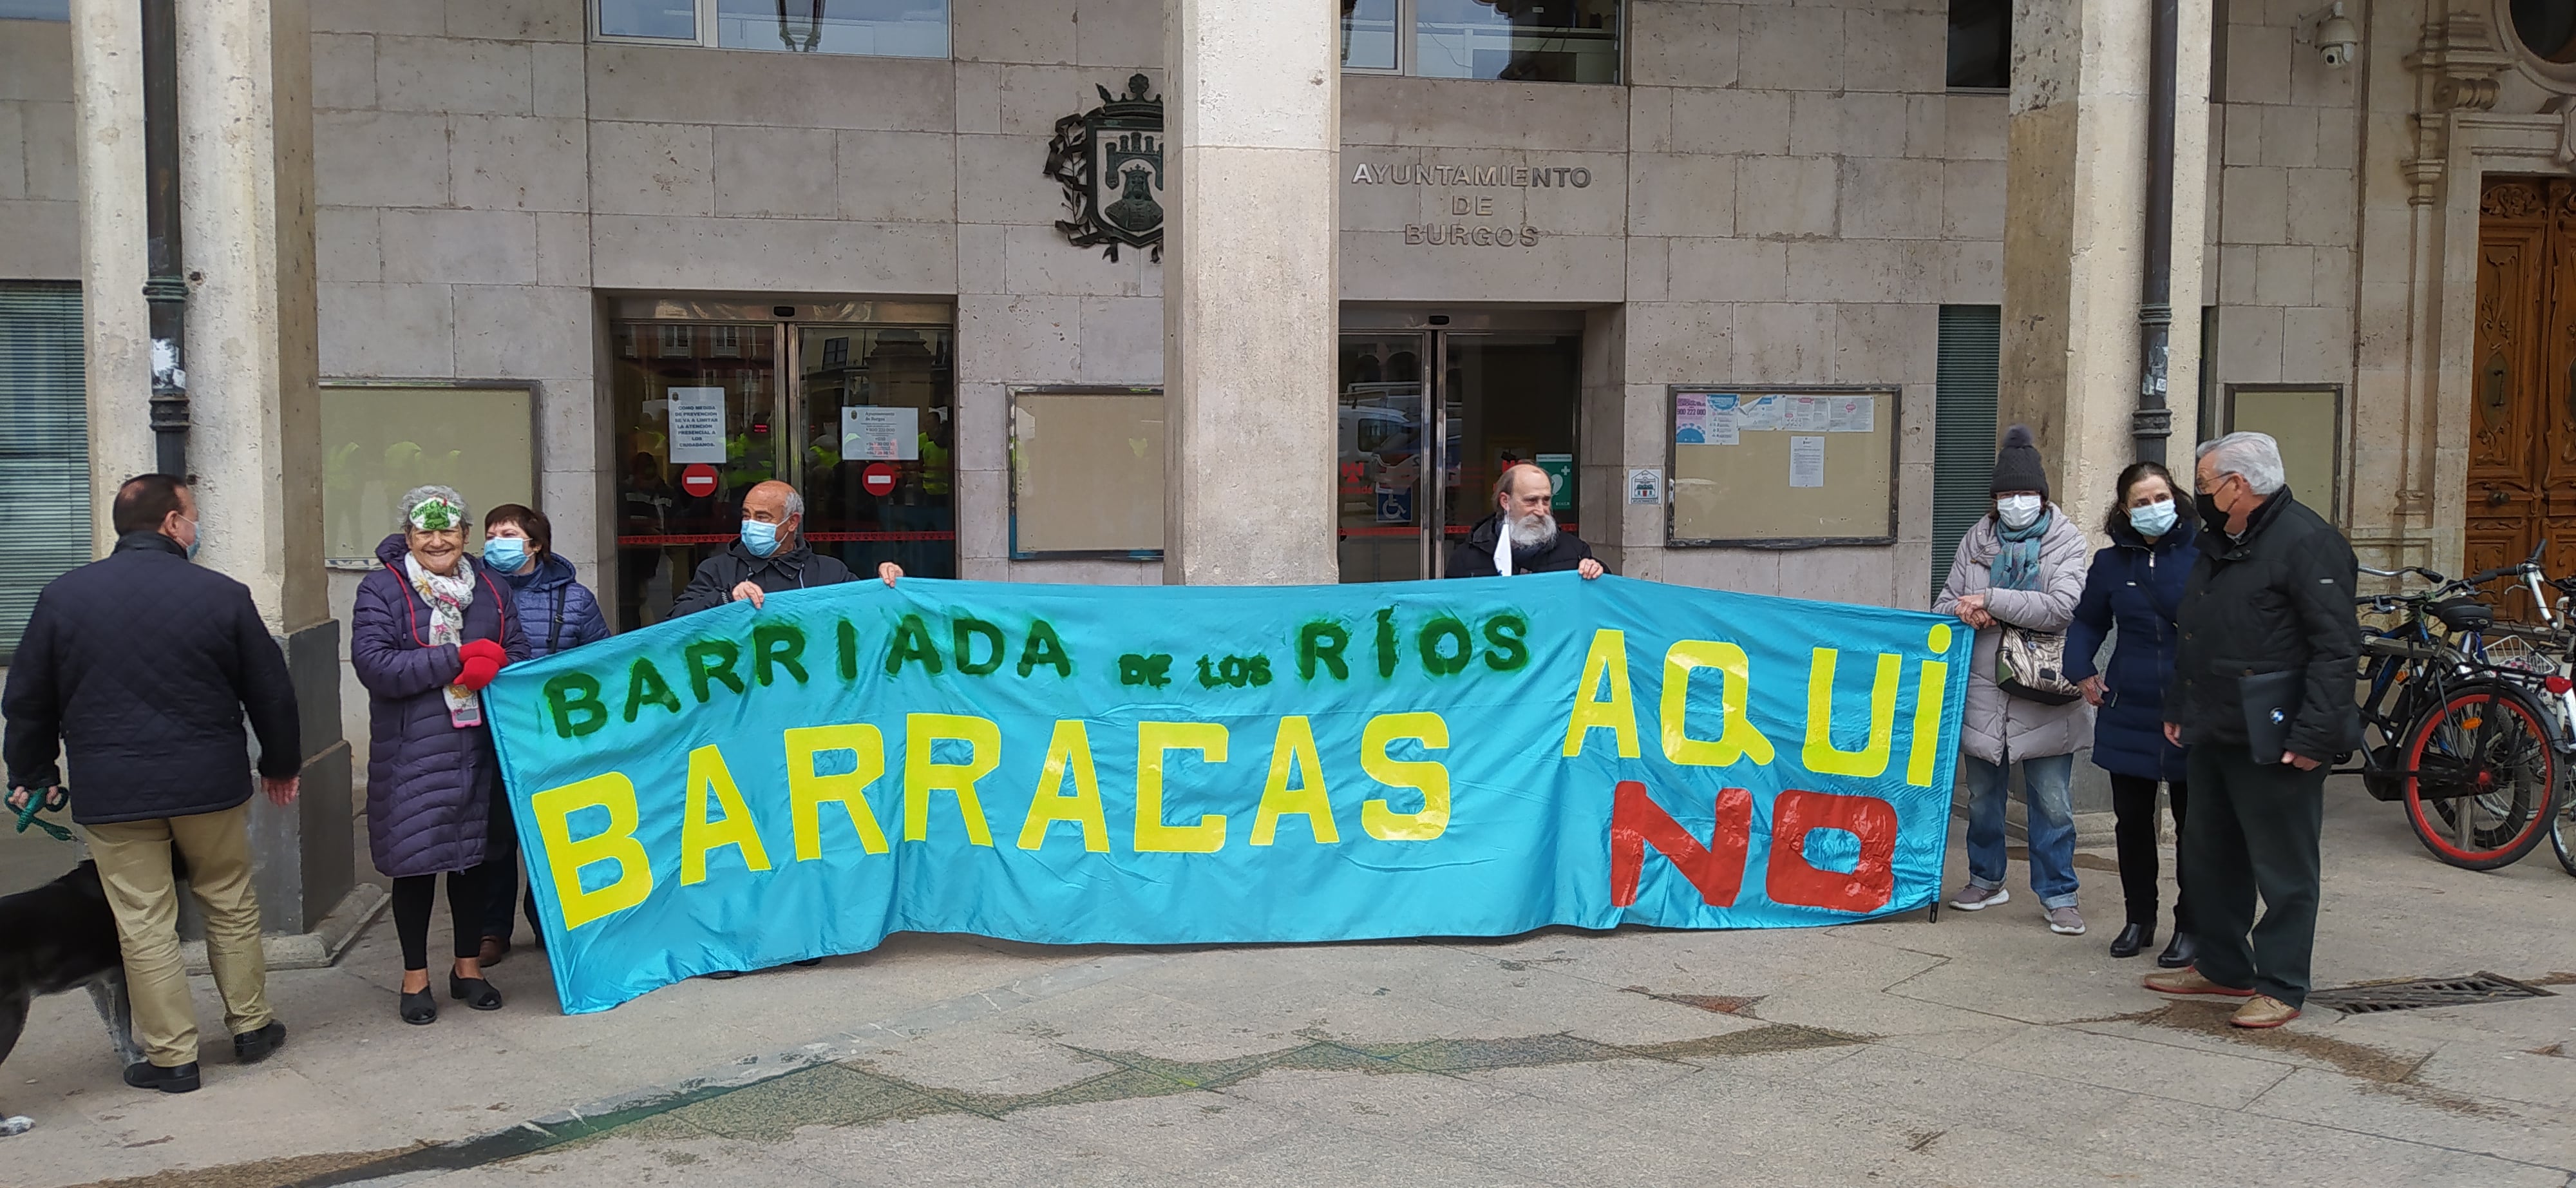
(795, 502)
(2254, 457)
(419, 495)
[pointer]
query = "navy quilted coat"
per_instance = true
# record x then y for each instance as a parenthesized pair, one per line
(2139, 587)
(429, 785)
(555, 610)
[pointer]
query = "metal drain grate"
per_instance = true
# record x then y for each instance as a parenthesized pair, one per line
(2371, 998)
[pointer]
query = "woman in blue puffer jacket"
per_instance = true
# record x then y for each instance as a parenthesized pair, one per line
(556, 612)
(2137, 584)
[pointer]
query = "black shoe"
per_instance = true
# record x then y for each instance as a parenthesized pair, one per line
(721, 975)
(2132, 938)
(182, 1079)
(419, 1007)
(474, 992)
(807, 963)
(254, 1046)
(2183, 951)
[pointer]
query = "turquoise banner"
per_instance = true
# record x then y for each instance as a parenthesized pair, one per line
(1083, 764)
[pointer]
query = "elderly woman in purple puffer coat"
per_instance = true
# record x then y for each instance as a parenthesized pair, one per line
(428, 633)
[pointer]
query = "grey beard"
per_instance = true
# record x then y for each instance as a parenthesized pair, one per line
(1535, 532)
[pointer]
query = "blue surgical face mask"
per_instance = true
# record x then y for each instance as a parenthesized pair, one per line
(505, 553)
(760, 538)
(196, 537)
(2155, 519)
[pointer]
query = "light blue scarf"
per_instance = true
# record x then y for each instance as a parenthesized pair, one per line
(2016, 563)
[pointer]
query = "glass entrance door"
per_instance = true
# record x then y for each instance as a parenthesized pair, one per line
(850, 402)
(1430, 418)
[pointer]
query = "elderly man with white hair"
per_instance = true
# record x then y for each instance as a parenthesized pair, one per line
(2263, 695)
(1525, 517)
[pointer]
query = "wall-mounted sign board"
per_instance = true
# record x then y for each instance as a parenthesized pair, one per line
(1781, 467)
(1086, 473)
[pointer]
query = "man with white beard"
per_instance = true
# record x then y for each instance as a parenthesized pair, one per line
(1524, 507)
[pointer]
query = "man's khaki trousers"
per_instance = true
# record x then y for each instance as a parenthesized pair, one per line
(134, 862)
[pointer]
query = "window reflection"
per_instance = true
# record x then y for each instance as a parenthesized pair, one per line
(1527, 40)
(1368, 34)
(673, 19)
(885, 28)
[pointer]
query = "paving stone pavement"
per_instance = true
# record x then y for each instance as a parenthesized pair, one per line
(1978, 1050)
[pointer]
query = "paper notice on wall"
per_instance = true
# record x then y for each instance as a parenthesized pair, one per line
(1646, 488)
(697, 425)
(1805, 414)
(1725, 425)
(1758, 414)
(1852, 414)
(1806, 461)
(873, 434)
(1690, 419)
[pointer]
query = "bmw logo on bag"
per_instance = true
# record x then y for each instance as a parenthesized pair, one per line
(2278, 717)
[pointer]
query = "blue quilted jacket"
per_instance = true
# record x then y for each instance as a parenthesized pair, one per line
(429, 784)
(2138, 587)
(556, 612)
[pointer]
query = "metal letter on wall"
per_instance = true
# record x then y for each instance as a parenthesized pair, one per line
(1110, 161)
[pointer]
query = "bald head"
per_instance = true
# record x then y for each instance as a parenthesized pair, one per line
(774, 502)
(1519, 481)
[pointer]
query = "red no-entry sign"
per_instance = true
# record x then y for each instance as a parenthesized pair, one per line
(878, 478)
(699, 480)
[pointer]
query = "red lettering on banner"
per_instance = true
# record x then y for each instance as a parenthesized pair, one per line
(1717, 868)
(1793, 880)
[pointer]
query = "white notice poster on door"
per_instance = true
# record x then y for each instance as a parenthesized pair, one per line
(1852, 414)
(697, 425)
(1806, 461)
(872, 434)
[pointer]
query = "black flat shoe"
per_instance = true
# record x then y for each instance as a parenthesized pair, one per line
(419, 1007)
(2131, 939)
(474, 992)
(251, 1047)
(2183, 951)
(182, 1079)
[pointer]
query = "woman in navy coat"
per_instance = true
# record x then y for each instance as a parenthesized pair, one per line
(2136, 584)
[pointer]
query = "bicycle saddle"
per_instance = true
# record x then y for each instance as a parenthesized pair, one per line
(2464, 614)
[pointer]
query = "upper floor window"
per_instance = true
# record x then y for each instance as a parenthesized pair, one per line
(1980, 44)
(886, 28)
(35, 10)
(1526, 40)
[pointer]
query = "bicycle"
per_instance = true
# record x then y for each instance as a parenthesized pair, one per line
(2468, 744)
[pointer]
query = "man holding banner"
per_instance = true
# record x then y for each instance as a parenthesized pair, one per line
(770, 556)
(1522, 535)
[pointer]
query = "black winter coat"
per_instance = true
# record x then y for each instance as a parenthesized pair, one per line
(787, 569)
(2139, 587)
(2277, 599)
(1474, 557)
(140, 667)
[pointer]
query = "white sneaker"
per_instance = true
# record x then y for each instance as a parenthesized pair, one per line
(2066, 921)
(1973, 898)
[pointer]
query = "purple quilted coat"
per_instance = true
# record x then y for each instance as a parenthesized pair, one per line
(429, 785)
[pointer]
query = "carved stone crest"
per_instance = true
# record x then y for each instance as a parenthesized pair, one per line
(1110, 162)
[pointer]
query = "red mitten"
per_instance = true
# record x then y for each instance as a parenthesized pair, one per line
(482, 661)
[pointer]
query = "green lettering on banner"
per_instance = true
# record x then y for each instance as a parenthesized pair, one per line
(645, 686)
(777, 645)
(962, 633)
(912, 642)
(572, 700)
(1386, 642)
(711, 661)
(1321, 642)
(1440, 661)
(1505, 641)
(848, 634)
(1044, 649)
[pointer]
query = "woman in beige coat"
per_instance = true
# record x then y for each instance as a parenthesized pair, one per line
(2021, 565)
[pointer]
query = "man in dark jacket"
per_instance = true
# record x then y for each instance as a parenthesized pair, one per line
(770, 557)
(139, 668)
(1524, 506)
(2272, 593)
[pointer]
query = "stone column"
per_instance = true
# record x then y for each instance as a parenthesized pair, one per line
(2074, 235)
(246, 201)
(1252, 130)
(107, 82)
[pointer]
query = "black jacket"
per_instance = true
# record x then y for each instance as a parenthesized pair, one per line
(139, 668)
(787, 569)
(1474, 557)
(2277, 599)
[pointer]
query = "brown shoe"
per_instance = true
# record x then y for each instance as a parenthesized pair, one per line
(2188, 981)
(494, 950)
(2263, 1010)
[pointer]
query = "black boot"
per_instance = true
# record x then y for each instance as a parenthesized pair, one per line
(182, 1079)
(474, 992)
(2131, 939)
(419, 1007)
(2183, 951)
(251, 1047)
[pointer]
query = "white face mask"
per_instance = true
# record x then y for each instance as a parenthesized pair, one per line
(2018, 511)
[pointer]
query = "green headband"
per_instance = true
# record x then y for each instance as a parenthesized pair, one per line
(435, 514)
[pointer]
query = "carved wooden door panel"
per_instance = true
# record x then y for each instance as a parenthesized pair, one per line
(2552, 392)
(2522, 431)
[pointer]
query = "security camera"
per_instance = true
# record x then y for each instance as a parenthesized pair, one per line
(2336, 37)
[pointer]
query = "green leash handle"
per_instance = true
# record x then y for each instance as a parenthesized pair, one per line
(37, 802)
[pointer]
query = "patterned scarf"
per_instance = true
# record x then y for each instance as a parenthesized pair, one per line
(448, 596)
(2016, 563)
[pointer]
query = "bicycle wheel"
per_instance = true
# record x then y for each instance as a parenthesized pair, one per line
(2562, 831)
(2482, 779)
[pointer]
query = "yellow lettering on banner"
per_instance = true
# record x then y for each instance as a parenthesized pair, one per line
(1871, 760)
(553, 809)
(1929, 690)
(1424, 775)
(735, 828)
(1068, 754)
(807, 792)
(1609, 656)
(1737, 737)
(1295, 745)
(1153, 739)
(921, 776)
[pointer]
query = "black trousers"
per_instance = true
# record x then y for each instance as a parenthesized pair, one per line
(413, 895)
(501, 874)
(2253, 831)
(2133, 813)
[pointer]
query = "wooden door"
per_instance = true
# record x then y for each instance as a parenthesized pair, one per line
(2522, 440)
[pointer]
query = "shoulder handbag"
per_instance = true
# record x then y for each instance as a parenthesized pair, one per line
(2031, 665)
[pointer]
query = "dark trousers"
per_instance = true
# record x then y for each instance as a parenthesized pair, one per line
(413, 895)
(501, 875)
(2133, 813)
(2254, 830)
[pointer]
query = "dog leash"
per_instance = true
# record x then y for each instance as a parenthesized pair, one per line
(37, 802)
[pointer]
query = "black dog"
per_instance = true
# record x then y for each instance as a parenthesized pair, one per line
(56, 938)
